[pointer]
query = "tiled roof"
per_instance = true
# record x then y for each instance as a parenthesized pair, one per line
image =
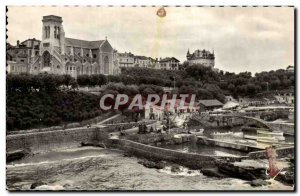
(168, 59)
(83, 43)
(211, 102)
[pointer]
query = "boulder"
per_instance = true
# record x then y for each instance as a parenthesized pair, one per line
(259, 182)
(242, 170)
(213, 172)
(15, 155)
(152, 164)
(286, 178)
(36, 184)
(160, 165)
(175, 168)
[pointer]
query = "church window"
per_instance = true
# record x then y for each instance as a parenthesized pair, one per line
(70, 68)
(94, 55)
(47, 31)
(58, 33)
(58, 67)
(55, 30)
(78, 53)
(22, 60)
(84, 60)
(87, 55)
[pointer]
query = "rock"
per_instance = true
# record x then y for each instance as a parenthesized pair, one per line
(259, 182)
(15, 155)
(152, 164)
(86, 144)
(241, 171)
(286, 178)
(36, 184)
(160, 165)
(147, 163)
(213, 172)
(175, 168)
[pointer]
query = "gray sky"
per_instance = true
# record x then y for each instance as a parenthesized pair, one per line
(244, 39)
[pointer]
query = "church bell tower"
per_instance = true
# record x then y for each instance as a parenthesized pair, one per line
(52, 48)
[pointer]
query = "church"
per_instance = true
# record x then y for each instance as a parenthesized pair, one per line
(62, 55)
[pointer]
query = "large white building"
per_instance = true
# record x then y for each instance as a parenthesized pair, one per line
(201, 57)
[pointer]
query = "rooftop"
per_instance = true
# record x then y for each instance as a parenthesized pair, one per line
(211, 102)
(168, 59)
(52, 18)
(83, 43)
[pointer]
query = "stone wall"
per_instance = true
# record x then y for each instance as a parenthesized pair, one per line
(288, 129)
(51, 140)
(213, 142)
(281, 152)
(191, 160)
(125, 126)
(66, 126)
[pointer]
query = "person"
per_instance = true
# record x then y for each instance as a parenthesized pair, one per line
(271, 156)
(122, 132)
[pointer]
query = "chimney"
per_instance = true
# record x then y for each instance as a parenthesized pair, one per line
(18, 43)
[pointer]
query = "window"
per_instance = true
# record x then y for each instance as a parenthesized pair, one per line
(12, 67)
(87, 55)
(35, 68)
(58, 67)
(94, 56)
(22, 60)
(70, 68)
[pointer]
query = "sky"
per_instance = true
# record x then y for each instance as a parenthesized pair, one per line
(243, 39)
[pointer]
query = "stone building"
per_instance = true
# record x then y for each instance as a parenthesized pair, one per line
(209, 105)
(19, 57)
(128, 59)
(168, 63)
(203, 57)
(58, 54)
(290, 68)
(125, 59)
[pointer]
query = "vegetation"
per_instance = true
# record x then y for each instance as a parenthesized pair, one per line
(208, 84)
(46, 100)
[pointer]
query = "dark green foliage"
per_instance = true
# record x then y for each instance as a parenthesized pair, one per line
(92, 80)
(39, 109)
(209, 84)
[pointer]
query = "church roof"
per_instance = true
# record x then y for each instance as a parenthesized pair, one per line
(83, 43)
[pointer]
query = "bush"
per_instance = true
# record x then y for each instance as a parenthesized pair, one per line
(40, 109)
